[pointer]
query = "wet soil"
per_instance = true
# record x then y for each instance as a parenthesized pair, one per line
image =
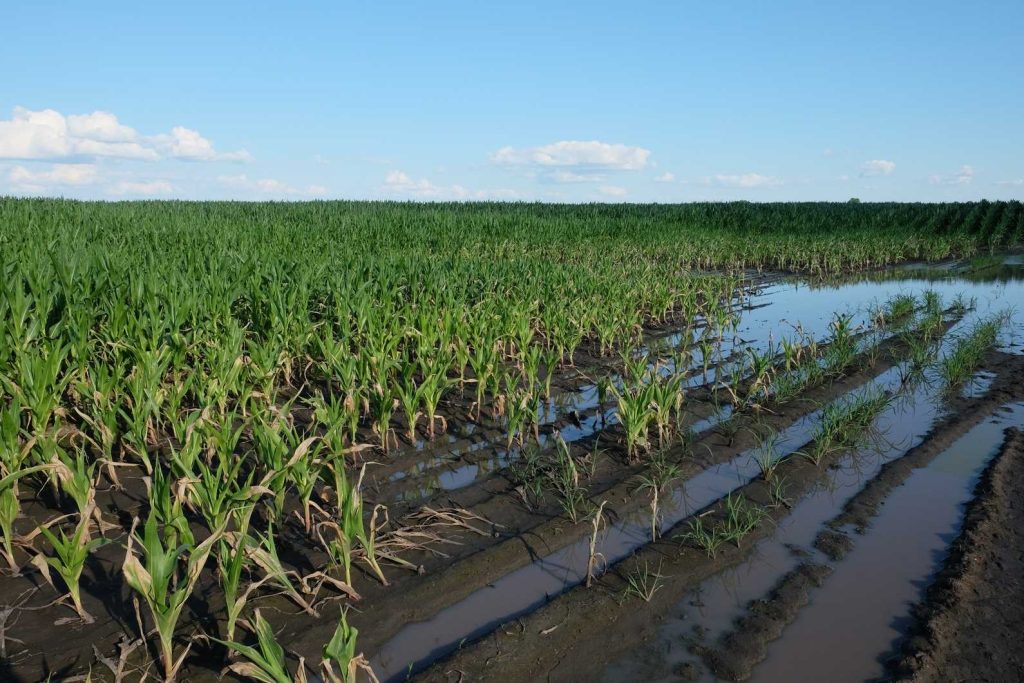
(574, 637)
(467, 561)
(969, 626)
(567, 639)
(747, 643)
(738, 651)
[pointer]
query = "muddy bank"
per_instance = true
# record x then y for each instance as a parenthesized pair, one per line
(970, 623)
(574, 637)
(746, 644)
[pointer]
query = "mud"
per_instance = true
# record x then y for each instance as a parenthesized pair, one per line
(563, 638)
(747, 644)
(572, 638)
(969, 626)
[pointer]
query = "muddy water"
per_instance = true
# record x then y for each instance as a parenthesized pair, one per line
(715, 604)
(775, 311)
(859, 614)
(927, 516)
(525, 589)
(788, 305)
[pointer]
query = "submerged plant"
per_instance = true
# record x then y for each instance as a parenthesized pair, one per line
(967, 354)
(844, 423)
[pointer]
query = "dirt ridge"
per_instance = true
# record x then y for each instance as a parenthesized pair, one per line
(534, 645)
(969, 625)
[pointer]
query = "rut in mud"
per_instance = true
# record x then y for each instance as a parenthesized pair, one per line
(968, 626)
(578, 636)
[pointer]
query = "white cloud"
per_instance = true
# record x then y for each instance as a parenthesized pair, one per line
(189, 145)
(613, 191)
(48, 134)
(269, 187)
(81, 180)
(1016, 182)
(962, 177)
(401, 184)
(665, 177)
(876, 167)
(576, 153)
(746, 180)
(61, 175)
(141, 188)
(562, 176)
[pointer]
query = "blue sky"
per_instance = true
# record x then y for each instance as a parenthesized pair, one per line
(570, 101)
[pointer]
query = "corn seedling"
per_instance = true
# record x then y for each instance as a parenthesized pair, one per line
(660, 474)
(967, 354)
(68, 560)
(266, 661)
(706, 537)
(162, 585)
(339, 662)
(845, 422)
(643, 582)
(595, 557)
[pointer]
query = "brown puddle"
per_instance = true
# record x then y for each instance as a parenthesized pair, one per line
(862, 611)
(711, 609)
(525, 589)
(854, 620)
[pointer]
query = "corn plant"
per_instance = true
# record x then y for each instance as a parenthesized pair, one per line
(706, 537)
(339, 662)
(845, 422)
(10, 508)
(969, 350)
(765, 454)
(661, 473)
(410, 397)
(265, 662)
(644, 582)
(384, 404)
(666, 401)
(594, 557)
(162, 585)
(77, 478)
(70, 554)
(350, 531)
(566, 481)
(635, 413)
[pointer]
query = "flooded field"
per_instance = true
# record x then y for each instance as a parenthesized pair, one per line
(859, 603)
(644, 461)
